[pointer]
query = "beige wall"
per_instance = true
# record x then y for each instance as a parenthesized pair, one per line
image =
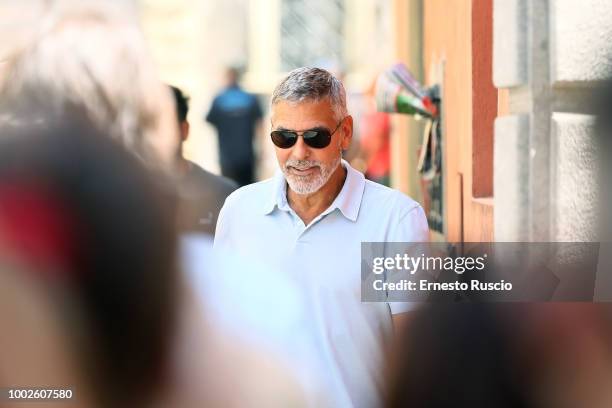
(448, 43)
(407, 132)
(192, 41)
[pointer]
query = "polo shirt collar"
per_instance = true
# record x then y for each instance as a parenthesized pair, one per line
(348, 200)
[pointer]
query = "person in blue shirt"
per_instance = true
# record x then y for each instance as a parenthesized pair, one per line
(235, 114)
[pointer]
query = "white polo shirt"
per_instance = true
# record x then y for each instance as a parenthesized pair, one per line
(324, 259)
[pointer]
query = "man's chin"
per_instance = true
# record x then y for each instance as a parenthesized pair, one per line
(297, 185)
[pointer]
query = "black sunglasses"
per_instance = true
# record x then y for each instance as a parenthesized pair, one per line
(315, 138)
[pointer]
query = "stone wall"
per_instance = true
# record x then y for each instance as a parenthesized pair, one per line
(549, 55)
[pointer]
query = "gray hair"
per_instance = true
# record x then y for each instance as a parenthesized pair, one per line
(312, 84)
(92, 54)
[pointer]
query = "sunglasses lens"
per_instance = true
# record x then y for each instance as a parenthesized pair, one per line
(317, 139)
(283, 139)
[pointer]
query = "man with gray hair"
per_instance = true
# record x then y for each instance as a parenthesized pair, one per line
(309, 221)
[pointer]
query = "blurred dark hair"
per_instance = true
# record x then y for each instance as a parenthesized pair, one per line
(456, 355)
(234, 72)
(483, 355)
(125, 276)
(182, 103)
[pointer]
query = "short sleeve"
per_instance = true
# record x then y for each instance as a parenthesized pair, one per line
(411, 226)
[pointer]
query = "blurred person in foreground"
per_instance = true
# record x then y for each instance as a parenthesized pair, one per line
(76, 58)
(61, 67)
(92, 53)
(537, 355)
(235, 114)
(201, 193)
(310, 220)
(89, 234)
(94, 235)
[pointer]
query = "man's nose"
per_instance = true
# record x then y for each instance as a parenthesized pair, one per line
(300, 150)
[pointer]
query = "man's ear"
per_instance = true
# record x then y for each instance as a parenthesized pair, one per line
(184, 130)
(347, 132)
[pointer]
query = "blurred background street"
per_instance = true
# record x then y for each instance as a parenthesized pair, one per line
(194, 41)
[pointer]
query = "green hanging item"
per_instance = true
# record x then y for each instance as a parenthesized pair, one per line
(398, 92)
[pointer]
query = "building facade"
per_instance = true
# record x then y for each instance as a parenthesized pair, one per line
(517, 80)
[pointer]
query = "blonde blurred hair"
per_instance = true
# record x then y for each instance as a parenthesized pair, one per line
(91, 53)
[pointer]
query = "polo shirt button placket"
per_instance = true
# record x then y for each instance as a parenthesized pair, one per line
(301, 228)
(298, 227)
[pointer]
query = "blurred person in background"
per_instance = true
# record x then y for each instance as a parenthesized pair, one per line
(236, 115)
(309, 221)
(94, 231)
(201, 193)
(374, 141)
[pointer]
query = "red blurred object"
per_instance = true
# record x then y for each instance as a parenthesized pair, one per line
(375, 143)
(431, 107)
(39, 229)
